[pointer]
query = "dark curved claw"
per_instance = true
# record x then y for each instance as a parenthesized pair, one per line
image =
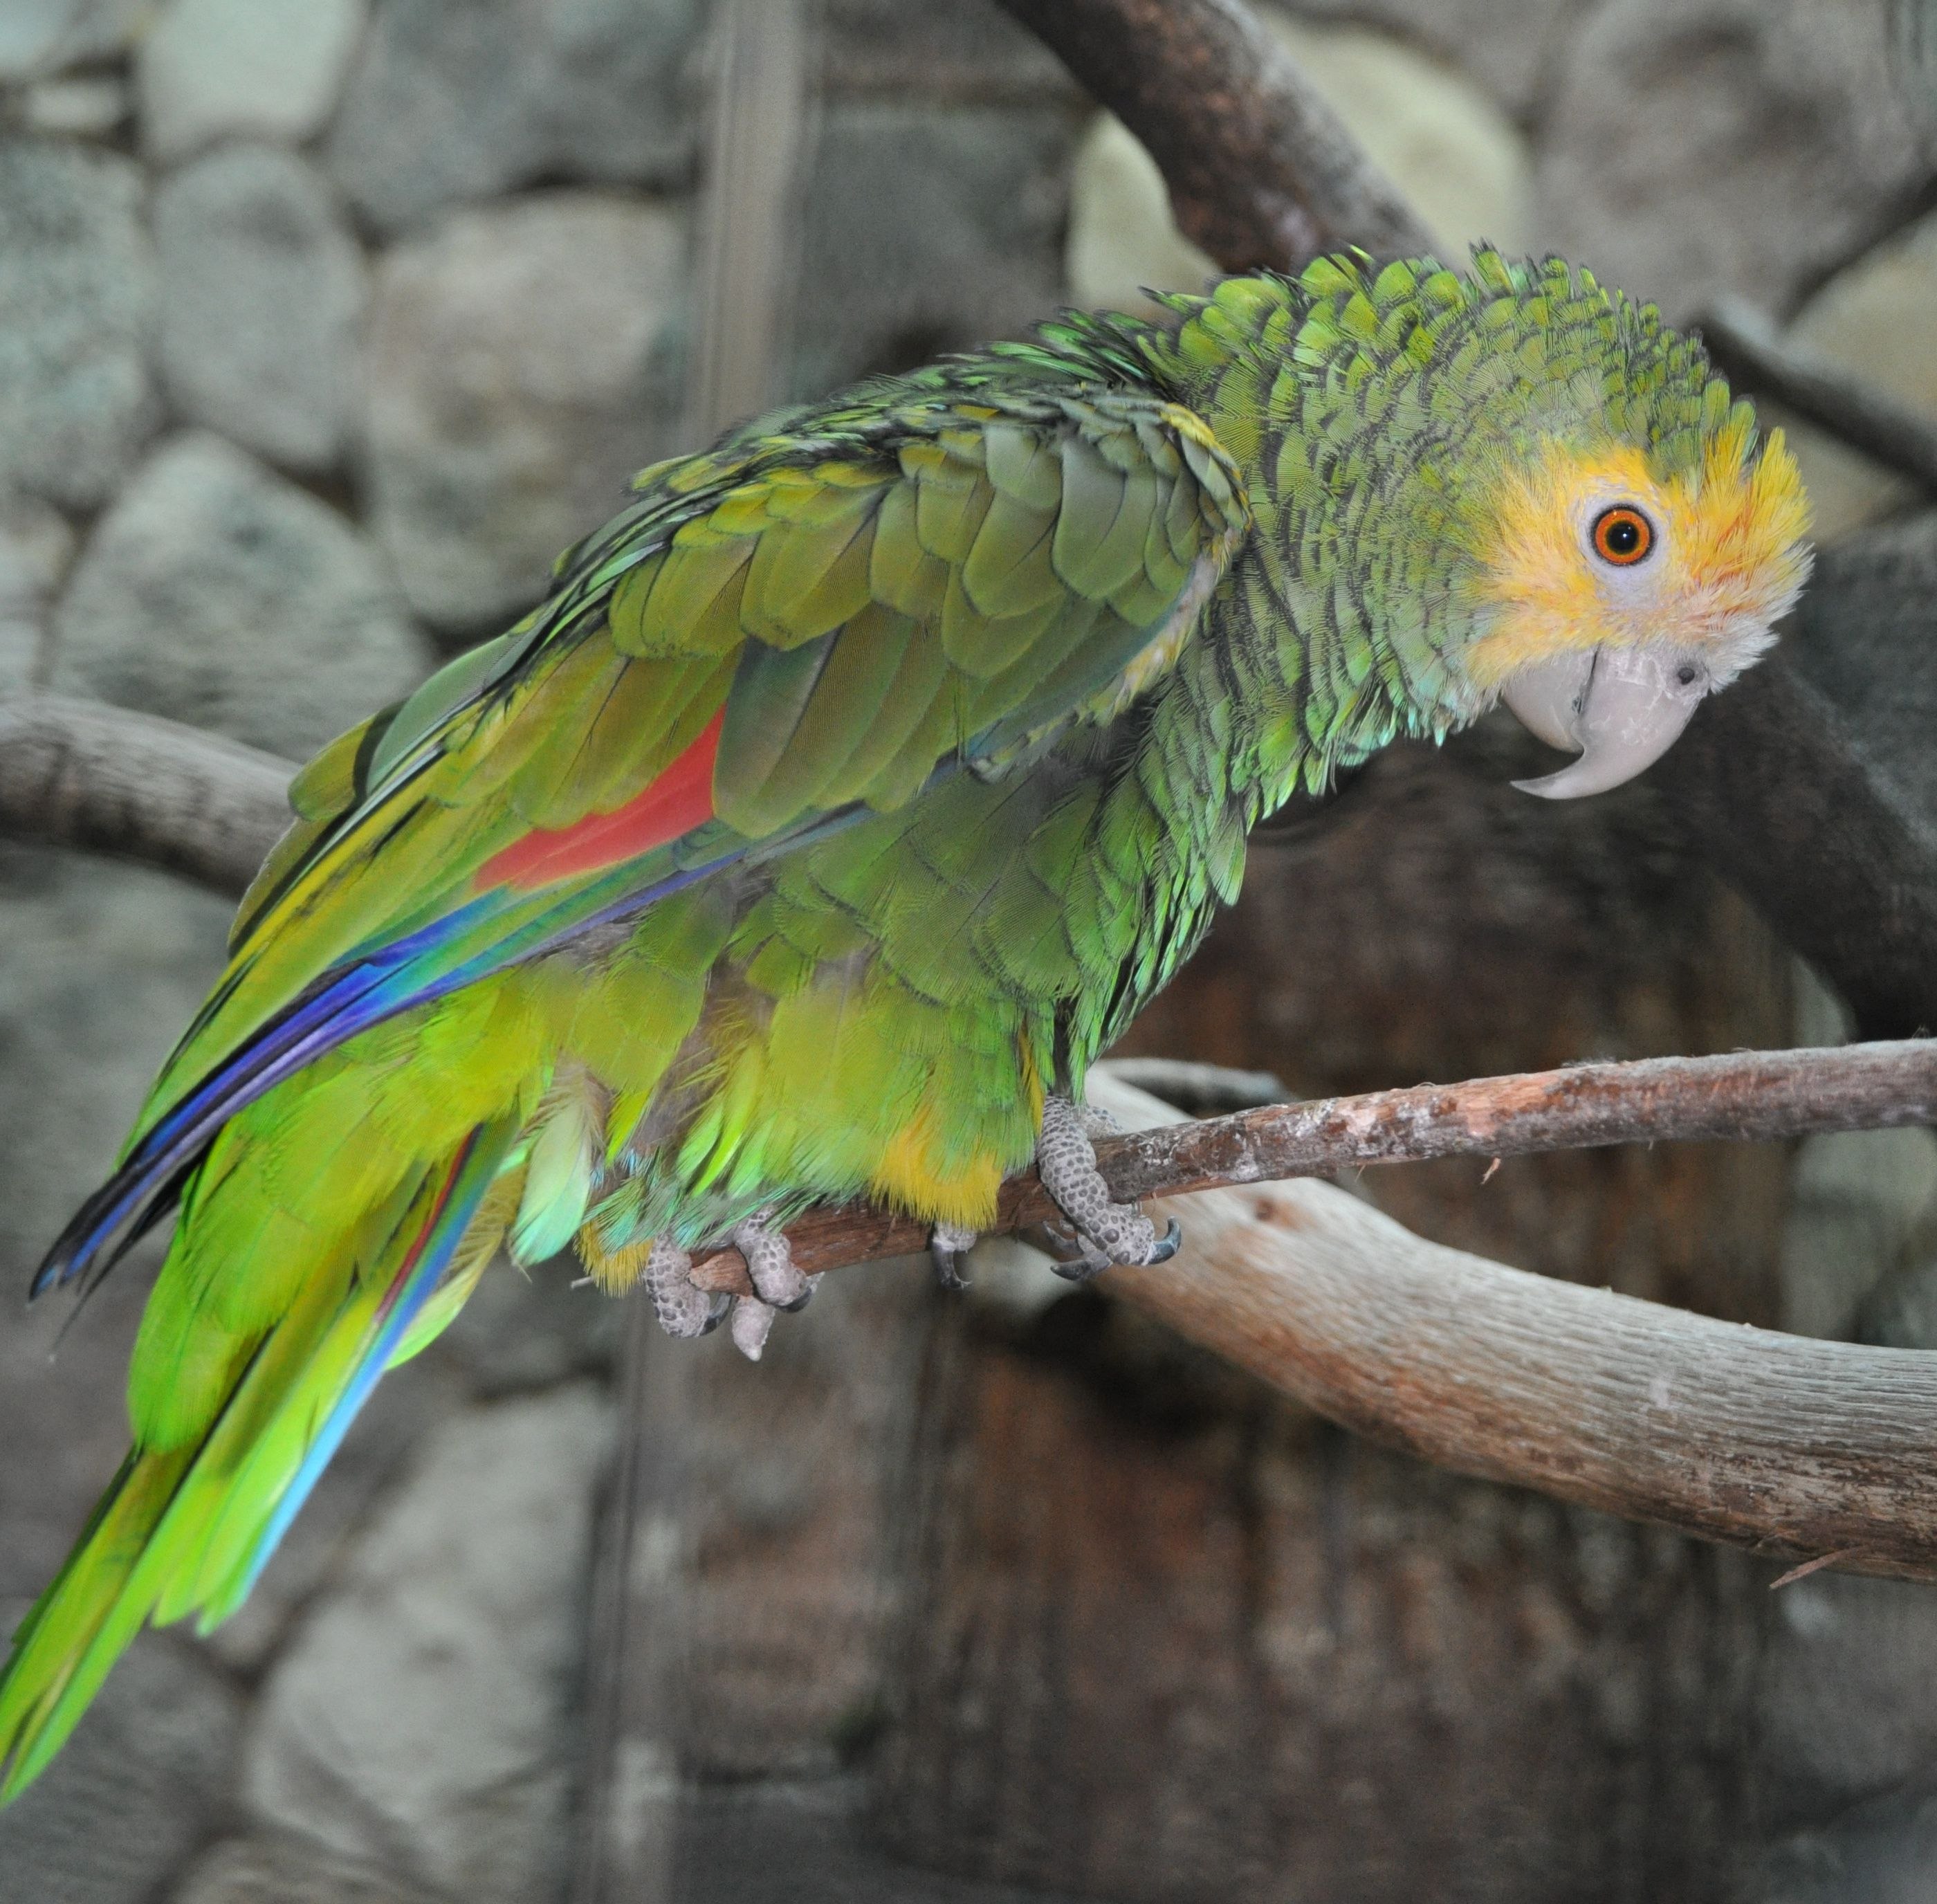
(947, 1270)
(716, 1314)
(1086, 1263)
(1167, 1243)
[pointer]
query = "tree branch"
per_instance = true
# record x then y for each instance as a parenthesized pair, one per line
(82, 773)
(1741, 1095)
(1777, 1443)
(1260, 170)
(1747, 346)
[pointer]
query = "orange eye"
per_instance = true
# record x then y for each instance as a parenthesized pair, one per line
(1622, 535)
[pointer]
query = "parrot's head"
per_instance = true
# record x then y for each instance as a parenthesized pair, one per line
(1627, 538)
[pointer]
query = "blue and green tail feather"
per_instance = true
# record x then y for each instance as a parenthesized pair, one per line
(188, 1529)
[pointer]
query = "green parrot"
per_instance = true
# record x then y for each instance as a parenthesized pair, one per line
(848, 793)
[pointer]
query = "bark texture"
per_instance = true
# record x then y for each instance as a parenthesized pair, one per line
(79, 774)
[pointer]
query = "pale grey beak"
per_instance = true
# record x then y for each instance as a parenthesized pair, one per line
(1622, 708)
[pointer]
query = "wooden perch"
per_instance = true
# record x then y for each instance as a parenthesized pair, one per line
(1800, 1449)
(1743, 1095)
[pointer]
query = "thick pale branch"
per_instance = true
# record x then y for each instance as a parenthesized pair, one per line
(80, 774)
(1739, 1095)
(1788, 1446)
(1793, 1447)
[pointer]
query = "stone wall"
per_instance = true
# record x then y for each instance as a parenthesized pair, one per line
(323, 325)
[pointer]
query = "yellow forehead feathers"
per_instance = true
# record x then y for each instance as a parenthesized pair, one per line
(1724, 554)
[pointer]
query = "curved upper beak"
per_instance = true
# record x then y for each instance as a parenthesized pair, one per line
(1621, 707)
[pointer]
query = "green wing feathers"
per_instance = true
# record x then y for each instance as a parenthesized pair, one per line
(940, 574)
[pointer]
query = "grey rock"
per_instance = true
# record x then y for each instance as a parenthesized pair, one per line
(217, 593)
(517, 377)
(89, 107)
(40, 37)
(1884, 1852)
(1507, 46)
(102, 965)
(419, 1719)
(76, 312)
(1702, 147)
(36, 545)
(461, 99)
(211, 69)
(140, 1783)
(927, 231)
(1845, 1714)
(281, 1870)
(262, 292)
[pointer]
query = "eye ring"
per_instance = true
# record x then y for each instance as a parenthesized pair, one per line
(1622, 536)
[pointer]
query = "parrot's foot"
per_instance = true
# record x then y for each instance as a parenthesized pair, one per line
(781, 1285)
(1108, 1233)
(948, 1243)
(685, 1310)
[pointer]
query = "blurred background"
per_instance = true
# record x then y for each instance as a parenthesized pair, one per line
(324, 324)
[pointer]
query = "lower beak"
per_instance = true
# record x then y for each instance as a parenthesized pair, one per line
(1621, 707)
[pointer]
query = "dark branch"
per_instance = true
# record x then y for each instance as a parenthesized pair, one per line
(80, 774)
(1260, 170)
(1741, 1094)
(1746, 345)
(1834, 857)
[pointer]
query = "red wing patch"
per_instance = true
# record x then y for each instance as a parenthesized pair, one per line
(680, 799)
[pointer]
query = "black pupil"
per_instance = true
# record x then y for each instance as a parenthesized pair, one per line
(1623, 536)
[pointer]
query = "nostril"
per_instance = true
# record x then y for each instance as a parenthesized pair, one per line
(1687, 674)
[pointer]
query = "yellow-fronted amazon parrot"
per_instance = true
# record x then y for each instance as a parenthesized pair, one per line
(848, 793)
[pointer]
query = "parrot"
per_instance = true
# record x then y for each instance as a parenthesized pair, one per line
(844, 799)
